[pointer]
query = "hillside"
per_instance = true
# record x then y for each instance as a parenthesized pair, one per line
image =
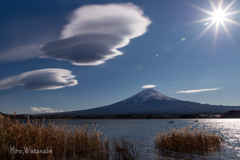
(231, 114)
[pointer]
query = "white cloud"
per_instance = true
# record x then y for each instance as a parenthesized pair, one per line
(198, 90)
(41, 109)
(149, 86)
(95, 32)
(19, 53)
(43, 79)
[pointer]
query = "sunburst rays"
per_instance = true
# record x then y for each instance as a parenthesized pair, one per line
(219, 16)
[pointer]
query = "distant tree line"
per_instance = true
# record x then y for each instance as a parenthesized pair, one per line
(121, 116)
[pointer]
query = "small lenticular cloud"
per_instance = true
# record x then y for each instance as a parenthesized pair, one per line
(43, 79)
(198, 90)
(149, 86)
(41, 109)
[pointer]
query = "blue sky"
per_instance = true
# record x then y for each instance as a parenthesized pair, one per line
(110, 49)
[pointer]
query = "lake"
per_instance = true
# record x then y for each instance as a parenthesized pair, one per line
(142, 132)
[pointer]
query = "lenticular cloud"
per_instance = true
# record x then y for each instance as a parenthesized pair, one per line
(43, 79)
(95, 32)
(149, 86)
(41, 109)
(198, 90)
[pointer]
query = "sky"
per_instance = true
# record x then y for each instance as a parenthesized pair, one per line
(72, 55)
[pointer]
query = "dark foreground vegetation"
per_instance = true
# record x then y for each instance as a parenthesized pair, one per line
(35, 141)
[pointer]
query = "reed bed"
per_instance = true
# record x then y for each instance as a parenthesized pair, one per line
(57, 142)
(63, 142)
(188, 140)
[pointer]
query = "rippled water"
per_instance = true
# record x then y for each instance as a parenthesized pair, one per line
(142, 132)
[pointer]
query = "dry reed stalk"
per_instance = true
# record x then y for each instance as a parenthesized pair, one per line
(65, 143)
(188, 141)
(124, 149)
(81, 142)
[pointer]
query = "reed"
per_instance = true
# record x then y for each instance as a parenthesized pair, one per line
(124, 149)
(188, 140)
(65, 143)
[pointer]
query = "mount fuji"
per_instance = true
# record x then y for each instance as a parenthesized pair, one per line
(150, 101)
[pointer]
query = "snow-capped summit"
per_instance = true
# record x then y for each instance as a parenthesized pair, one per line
(148, 94)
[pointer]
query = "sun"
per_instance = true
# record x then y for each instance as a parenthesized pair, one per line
(219, 16)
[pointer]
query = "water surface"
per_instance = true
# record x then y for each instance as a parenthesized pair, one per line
(142, 132)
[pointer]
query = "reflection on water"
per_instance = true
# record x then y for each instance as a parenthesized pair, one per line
(142, 132)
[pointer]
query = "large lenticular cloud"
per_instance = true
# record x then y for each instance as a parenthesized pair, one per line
(95, 32)
(43, 79)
